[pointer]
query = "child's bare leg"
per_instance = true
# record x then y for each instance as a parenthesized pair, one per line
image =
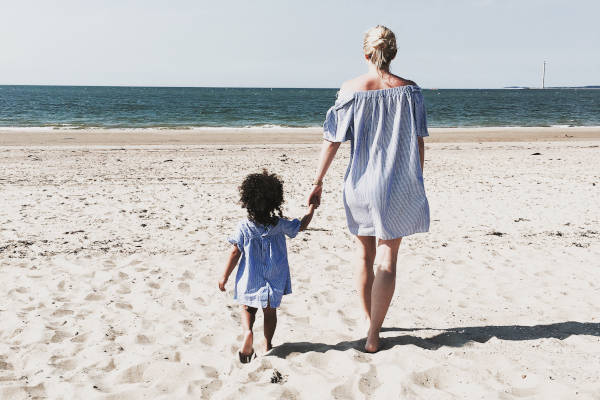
(270, 325)
(248, 317)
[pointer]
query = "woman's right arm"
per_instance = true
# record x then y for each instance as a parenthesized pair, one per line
(328, 151)
(422, 153)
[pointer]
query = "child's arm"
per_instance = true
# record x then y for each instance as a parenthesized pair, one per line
(234, 257)
(306, 219)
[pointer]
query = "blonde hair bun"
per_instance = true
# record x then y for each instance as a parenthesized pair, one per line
(379, 45)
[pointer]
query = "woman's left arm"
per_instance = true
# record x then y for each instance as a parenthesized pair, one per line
(328, 151)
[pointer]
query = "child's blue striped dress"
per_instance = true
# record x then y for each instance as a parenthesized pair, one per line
(384, 195)
(263, 275)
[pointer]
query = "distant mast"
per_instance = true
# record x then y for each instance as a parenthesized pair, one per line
(544, 75)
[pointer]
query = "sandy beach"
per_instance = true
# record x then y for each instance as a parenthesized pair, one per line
(205, 136)
(112, 243)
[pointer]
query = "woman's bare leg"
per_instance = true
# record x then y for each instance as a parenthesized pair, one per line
(270, 315)
(365, 256)
(383, 288)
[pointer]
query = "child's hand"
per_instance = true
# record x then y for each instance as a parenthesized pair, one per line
(222, 283)
(306, 219)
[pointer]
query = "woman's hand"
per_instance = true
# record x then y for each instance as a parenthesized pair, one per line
(328, 150)
(222, 283)
(315, 196)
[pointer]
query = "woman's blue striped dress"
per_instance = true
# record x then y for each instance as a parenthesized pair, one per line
(384, 195)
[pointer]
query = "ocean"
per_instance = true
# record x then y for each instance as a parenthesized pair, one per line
(84, 107)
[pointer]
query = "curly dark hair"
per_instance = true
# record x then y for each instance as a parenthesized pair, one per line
(262, 196)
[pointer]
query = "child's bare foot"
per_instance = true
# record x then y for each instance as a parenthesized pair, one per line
(372, 344)
(246, 351)
(268, 345)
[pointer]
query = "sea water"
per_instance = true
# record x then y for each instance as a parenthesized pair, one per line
(81, 107)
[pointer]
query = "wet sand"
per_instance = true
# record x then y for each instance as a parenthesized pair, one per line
(122, 137)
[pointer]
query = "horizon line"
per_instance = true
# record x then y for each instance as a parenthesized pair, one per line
(294, 87)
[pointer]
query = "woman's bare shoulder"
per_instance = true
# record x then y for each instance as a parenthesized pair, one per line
(357, 84)
(368, 82)
(399, 81)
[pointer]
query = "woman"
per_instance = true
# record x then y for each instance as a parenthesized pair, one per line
(384, 118)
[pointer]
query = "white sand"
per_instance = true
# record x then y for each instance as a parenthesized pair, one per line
(109, 261)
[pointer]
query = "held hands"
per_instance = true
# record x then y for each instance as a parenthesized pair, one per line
(315, 195)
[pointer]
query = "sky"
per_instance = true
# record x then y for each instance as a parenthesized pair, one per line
(280, 43)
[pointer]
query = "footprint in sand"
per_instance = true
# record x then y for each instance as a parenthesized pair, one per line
(184, 287)
(200, 301)
(301, 320)
(331, 267)
(36, 392)
(79, 338)
(209, 340)
(346, 320)
(59, 336)
(62, 313)
(153, 285)
(5, 366)
(68, 364)
(368, 382)
(343, 391)
(203, 388)
(258, 372)
(94, 297)
(123, 290)
(188, 325)
(317, 360)
(134, 374)
(124, 306)
(143, 339)
(110, 366)
(362, 357)
(432, 378)
(187, 275)
(210, 371)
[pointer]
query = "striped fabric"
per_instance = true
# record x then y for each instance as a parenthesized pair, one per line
(263, 275)
(384, 195)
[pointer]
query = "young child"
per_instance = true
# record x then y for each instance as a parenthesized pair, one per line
(263, 276)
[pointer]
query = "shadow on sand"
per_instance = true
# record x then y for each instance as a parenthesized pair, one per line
(451, 337)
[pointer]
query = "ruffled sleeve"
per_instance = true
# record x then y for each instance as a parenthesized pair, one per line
(338, 126)
(290, 227)
(419, 114)
(237, 237)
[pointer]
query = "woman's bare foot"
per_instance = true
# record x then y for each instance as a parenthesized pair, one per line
(372, 343)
